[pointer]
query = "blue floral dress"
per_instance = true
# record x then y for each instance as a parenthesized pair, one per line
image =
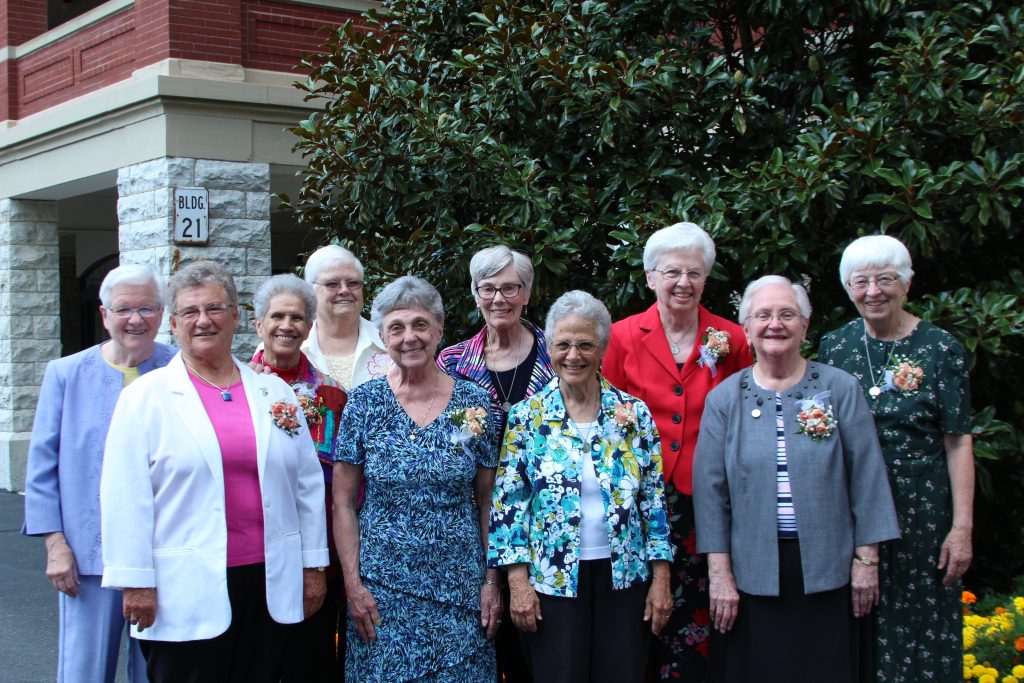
(420, 551)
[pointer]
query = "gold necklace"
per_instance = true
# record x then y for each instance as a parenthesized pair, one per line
(415, 425)
(225, 392)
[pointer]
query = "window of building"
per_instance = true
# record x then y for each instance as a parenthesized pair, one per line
(60, 11)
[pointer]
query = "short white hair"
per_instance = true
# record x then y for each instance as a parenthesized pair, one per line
(407, 292)
(803, 302)
(130, 274)
(679, 236)
(327, 256)
(492, 260)
(578, 302)
(875, 251)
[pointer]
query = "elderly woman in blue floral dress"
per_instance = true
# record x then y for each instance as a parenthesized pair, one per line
(285, 308)
(914, 376)
(422, 605)
(578, 516)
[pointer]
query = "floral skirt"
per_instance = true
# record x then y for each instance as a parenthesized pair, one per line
(680, 651)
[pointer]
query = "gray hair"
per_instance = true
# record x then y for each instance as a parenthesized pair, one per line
(406, 292)
(679, 236)
(492, 260)
(130, 274)
(578, 302)
(803, 302)
(875, 251)
(284, 284)
(327, 256)
(199, 273)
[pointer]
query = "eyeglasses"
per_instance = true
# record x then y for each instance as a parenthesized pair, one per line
(490, 291)
(126, 311)
(211, 310)
(585, 347)
(673, 274)
(335, 285)
(884, 281)
(785, 316)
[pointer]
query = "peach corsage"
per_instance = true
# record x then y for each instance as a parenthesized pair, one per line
(715, 347)
(815, 418)
(285, 416)
(906, 375)
(312, 405)
(472, 422)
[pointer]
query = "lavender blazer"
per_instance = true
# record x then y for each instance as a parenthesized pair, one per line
(65, 456)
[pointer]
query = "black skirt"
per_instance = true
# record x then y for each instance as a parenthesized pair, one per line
(793, 637)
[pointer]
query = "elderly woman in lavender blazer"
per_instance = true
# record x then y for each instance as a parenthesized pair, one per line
(64, 462)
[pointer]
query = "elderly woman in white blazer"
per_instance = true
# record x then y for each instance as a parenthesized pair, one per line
(212, 501)
(791, 500)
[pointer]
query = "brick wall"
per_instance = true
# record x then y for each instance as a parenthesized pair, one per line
(25, 19)
(277, 33)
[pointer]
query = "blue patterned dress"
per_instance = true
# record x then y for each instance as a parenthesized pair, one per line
(420, 551)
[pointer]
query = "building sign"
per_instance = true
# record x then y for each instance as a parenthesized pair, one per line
(191, 215)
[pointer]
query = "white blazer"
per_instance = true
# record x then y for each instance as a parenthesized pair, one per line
(162, 503)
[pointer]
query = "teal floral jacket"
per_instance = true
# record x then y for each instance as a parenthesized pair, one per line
(536, 509)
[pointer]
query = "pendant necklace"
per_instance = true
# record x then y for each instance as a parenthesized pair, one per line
(673, 345)
(423, 418)
(876, 381)
(506, 404)
(225, 392)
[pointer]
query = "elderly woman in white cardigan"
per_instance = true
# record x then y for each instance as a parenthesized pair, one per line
(792, 500)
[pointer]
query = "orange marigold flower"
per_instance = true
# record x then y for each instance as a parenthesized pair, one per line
(999, 610)
(1019, 644)
(969, 598)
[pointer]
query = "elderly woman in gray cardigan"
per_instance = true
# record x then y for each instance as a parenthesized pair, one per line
(791, 501)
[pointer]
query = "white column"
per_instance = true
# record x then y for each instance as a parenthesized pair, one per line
(29, 323)
(239, 224)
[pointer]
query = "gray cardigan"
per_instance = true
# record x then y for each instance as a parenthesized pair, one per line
(840, 490)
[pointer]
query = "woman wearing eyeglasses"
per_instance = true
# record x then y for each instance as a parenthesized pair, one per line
(341, 343)
(792, 500)
(62, 497)
(915, 379)
(509, 359)
(578, 516)
(670, 356)
(212, 501)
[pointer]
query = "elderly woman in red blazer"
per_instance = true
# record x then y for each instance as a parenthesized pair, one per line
(670, 356)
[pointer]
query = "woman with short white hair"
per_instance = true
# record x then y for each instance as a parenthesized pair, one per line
(671, 356)
(914, 375)
(341, 343)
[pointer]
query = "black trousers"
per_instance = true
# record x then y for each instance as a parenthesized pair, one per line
(600, 636)
(250, 651)
(315, 649)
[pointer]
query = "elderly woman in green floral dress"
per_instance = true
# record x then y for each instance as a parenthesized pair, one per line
(916, 381)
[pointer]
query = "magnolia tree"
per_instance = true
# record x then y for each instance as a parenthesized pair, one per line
(572, 130)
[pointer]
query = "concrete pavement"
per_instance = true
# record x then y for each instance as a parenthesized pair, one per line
(28, 603)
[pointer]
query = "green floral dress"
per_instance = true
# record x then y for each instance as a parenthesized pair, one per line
(919, 628)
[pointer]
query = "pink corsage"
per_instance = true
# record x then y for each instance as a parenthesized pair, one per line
(285, 416)
(815, 419)
(312, 405)
(715, 348)
(624, 415)
(906, 375)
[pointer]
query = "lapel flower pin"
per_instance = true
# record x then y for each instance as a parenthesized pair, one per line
(814, 418)
(715, 348)
(472, 422)
(312, 405)
(285, 416)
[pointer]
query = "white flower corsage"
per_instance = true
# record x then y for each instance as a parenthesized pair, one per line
(715, 348)
(815, 419)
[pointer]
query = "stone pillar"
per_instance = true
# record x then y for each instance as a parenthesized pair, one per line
(29, 323)
(239, 225)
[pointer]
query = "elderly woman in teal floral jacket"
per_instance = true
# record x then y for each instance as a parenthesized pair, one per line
(578, 513)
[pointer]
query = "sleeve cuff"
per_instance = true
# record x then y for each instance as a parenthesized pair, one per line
(118, 577)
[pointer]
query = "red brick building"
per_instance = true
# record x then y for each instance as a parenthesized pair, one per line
(106, 108)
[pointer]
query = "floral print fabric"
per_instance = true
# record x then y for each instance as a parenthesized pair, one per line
(536, 510)
(918, 620)
(420, 551)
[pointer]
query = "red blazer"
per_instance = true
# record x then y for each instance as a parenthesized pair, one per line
(639, 362)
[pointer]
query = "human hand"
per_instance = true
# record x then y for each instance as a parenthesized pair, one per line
(955, 555)
(314, 590)
(659, 604)
(490, 608)
(524, 606)
(363, 609)
(725, 600)
(260, 368)
(863, 588)
(139, 607)
(61, 568)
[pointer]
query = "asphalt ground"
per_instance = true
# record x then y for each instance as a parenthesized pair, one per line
(28, 603)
